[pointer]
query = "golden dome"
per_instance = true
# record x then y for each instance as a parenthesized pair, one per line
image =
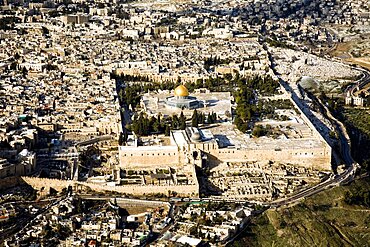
(181, 91)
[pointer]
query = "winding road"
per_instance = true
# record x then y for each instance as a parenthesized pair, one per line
(360, 84)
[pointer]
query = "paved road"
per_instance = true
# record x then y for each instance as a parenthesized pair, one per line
(337, 180)
(360, 84)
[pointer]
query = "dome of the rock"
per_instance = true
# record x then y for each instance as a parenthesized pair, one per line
(181, 91)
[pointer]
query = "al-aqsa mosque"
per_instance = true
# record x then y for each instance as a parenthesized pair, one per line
(167, 103)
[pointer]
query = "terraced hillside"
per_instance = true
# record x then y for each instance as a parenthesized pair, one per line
(326, 219)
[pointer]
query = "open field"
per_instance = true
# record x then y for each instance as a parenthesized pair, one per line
(355, 51)
(362, 61)
(342, 50)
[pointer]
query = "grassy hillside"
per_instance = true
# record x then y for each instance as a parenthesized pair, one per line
(322, 220)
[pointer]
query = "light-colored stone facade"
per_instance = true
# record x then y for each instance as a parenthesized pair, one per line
(316, 157)
(147, 156)
(309, 152)
(44, 184)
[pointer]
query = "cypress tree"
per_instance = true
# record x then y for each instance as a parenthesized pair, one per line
(167, 130)
(194, 119)
(182, 121)
(175, 122)
(209, 118)
(120, 139)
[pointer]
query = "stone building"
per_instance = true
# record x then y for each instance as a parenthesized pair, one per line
(354, 100)
(181, 99)
(161, 102)
(24, 165)
(202, 148)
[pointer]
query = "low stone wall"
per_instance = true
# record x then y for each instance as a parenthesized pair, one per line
(182, 190)
(47, 183)
(57, 184)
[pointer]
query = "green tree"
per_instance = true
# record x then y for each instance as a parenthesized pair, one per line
(195, 119)
(120, 139)
(45, 31)
(258, 131)
(24, 72)
(167, 130)
(228, 77)
(182, 121)
(193, 231)
(366, 166)
(175, 122)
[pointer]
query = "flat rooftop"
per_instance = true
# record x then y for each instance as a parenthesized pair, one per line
(298, 135)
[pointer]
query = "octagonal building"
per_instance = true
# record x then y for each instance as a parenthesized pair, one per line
(182, 100)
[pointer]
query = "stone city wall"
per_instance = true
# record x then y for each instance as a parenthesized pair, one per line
(138, 158)
(316, 158)
(182, 190)
(316, 133)
(47, 183)
(326, 146)
(156, 77)
(57, 184)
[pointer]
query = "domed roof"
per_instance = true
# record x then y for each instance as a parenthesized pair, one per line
(181, 91)
(196, 136)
